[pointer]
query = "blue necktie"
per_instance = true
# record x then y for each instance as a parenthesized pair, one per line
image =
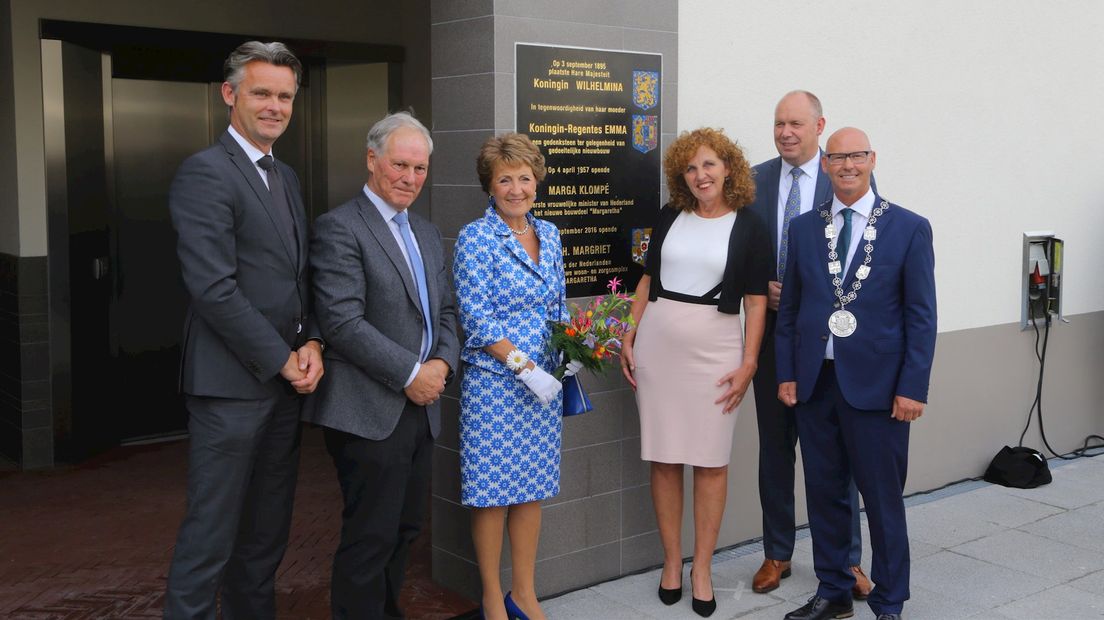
(845, 237)
(402, 218)
(793, 208)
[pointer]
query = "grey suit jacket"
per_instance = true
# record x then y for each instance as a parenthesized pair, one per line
(249, 295)
(369, 314)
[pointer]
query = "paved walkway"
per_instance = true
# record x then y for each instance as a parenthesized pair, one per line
(93, 541)
(979, 551)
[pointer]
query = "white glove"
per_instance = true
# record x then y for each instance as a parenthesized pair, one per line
(540, 383)
(572, 368)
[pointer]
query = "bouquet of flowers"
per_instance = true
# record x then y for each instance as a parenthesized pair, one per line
(593, 335)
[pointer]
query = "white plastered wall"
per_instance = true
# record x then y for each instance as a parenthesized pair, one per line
(985, 115)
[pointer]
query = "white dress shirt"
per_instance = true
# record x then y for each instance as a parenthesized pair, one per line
(807, 184)
(862, 208)
(252, 152)
(388, 213)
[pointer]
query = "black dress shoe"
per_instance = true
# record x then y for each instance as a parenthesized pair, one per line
(670, 596)
(889, 616)
(821, 609)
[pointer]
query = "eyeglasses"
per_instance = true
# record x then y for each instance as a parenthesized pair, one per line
(858, 157)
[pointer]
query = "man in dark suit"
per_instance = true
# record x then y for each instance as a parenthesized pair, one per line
(248, 353)
(855, 342)
(785, 187)
(386, 310)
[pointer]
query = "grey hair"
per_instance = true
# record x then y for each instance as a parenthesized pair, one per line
(814, 101)
(382, 130)
(274, 53)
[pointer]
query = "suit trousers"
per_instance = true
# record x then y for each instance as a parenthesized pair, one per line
(838, 442)
(777, 461)
(385, 484)
(243, 463)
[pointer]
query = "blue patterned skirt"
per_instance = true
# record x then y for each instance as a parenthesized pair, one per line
(509, 442)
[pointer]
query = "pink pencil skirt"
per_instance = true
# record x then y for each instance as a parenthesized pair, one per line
(681, 351)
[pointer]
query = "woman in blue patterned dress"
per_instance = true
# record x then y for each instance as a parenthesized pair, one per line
(509, 284)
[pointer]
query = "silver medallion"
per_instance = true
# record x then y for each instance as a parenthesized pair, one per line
(842, 323)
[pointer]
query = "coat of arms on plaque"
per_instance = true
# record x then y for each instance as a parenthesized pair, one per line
(645, 89)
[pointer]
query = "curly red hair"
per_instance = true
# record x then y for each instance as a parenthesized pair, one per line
(739, 187)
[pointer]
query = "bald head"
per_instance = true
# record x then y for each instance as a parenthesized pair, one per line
(849, 161)
(851, 136)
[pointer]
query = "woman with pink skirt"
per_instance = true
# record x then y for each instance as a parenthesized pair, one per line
(689, 359)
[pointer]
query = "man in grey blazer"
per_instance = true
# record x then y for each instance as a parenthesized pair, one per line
(386, 310)
(791, 182)
(248, 352)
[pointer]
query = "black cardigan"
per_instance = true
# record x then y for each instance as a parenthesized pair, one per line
(749, 266)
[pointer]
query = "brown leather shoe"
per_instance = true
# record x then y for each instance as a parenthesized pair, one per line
(769, 575)
(862, 586)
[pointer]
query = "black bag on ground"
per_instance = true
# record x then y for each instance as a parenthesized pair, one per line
(1021, 468)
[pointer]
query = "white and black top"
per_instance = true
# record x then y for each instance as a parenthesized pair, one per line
(733, 252)
(695, 252)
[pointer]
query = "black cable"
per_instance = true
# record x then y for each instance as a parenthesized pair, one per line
(1037, 405)
(1039, 391)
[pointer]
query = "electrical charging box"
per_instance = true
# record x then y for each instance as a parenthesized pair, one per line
(1041, 277)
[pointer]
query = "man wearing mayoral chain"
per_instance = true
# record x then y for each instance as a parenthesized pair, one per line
(855, 341)
(785, 187)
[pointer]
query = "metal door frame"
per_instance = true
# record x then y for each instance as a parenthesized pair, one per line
(125, 51)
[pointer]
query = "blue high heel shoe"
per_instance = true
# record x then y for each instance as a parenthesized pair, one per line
(512, 609)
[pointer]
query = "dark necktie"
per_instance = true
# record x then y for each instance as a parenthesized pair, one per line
(793, 208)
(402, 218)
(282, 208)
(845, 237)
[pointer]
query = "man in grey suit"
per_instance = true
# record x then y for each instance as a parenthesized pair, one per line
(386, 310)
(785, 187)
(248, 347)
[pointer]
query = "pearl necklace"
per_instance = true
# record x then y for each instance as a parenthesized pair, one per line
(519, 232)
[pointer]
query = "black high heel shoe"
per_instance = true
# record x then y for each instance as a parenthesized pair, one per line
(670, 596)
(700, 607)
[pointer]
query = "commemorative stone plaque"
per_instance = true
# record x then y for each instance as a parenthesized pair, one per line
(595, 114)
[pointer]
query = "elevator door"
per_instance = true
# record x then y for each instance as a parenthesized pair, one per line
(117, 301)
(156, 125)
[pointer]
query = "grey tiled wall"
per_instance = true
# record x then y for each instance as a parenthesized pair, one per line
(601, 525)
(26, 427)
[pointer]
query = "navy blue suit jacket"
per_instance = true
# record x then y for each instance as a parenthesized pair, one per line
(891, 352)
(766, 196)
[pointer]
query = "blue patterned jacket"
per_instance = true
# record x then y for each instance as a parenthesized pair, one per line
(502, 294)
